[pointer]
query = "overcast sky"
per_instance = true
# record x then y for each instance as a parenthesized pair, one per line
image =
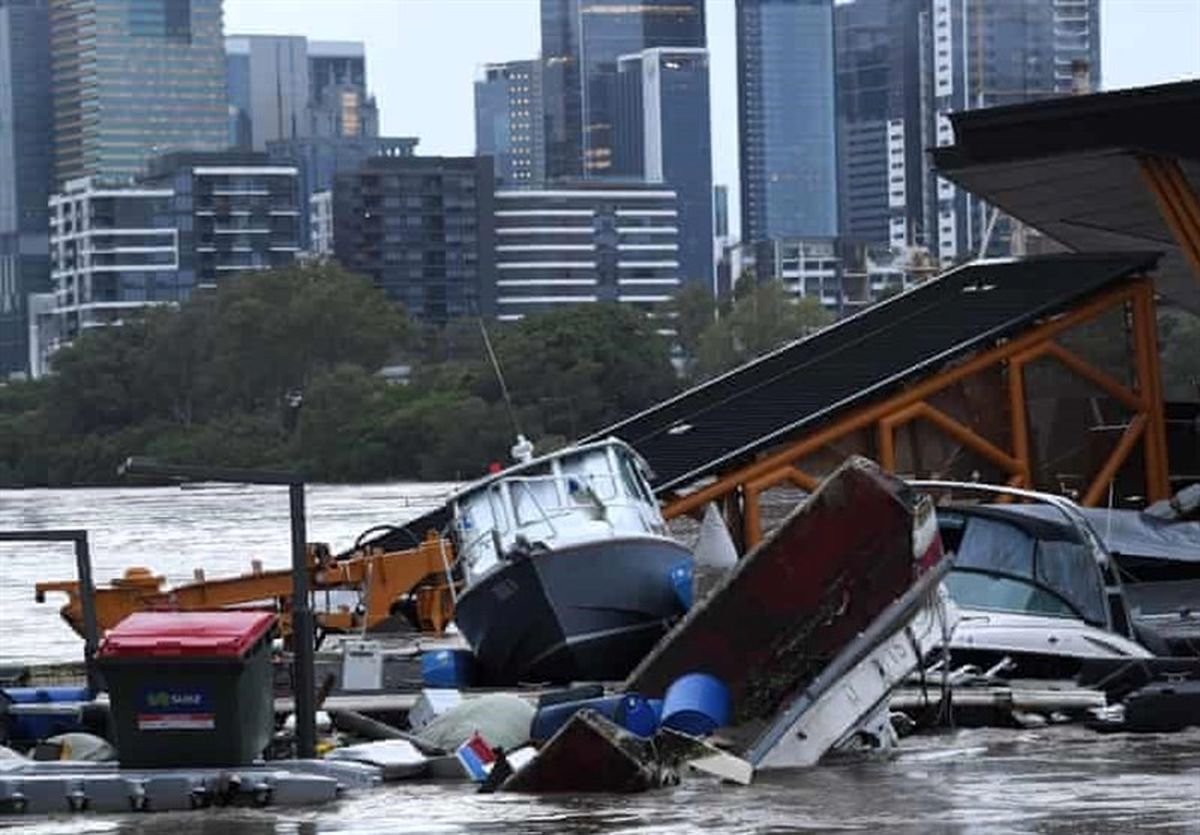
(422, 56)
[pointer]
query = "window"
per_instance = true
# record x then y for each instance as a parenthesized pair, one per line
(974, 590)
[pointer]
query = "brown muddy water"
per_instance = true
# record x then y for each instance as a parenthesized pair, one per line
(1057, 779)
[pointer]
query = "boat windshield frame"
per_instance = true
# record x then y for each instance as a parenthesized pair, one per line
(1117, 617)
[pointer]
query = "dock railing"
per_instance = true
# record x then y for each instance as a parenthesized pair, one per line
(87, 589)
(303, 631)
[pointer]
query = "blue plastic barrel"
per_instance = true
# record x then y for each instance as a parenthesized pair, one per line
(696, 704)
(637, 715)
(549, 718)
(681, 582)
(34, 726)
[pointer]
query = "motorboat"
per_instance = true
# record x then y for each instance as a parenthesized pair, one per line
(568, 571)
(1039, 595)
(818, 623)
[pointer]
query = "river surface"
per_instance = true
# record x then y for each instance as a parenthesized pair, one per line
(1057, 779)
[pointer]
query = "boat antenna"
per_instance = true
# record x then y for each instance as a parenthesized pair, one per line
(512, 413)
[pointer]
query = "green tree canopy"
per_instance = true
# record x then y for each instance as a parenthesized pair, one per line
(764, 317)
(583, 367)
(211, 382)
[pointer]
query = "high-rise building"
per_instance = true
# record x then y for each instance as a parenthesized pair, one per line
(25, 171)
(421, 229)
(662, 134)
(284, 87)
(340, 105)
(882, 160)
(582, 41)
(787, 126)
(235, 212)
(584, 241)
(320, 159)
(562, 100)
(268, 89)
(133, 79)
(509, 121)
(989, 54)
(196, 219)
(903, 66)
(114, 249)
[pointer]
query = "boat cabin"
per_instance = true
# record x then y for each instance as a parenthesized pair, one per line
(584, 493)
(1030, 559)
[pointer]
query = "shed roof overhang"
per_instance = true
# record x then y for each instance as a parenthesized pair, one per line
(1077, 169)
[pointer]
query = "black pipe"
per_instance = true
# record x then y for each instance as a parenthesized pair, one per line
(302, 631)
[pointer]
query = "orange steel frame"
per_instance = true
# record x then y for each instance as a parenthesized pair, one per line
(1177, 202)
(1145, 401)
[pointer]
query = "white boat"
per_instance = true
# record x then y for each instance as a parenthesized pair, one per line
(569, 572)
(1034, 584)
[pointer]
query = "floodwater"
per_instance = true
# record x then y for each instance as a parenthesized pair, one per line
(1056, 779)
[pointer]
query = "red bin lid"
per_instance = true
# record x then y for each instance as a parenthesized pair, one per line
(224, 634)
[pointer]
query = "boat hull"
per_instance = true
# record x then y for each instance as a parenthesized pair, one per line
(587, 612)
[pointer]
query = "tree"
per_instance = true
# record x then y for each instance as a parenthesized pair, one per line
(275, 330)
(583, 367)
(692, 310)
(764, 317)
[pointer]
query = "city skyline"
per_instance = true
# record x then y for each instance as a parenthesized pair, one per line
(1143, 42)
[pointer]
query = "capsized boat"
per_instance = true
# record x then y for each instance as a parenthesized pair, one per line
(569, 574)
(814, 627)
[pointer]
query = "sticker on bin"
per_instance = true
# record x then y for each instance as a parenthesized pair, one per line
(170, 709)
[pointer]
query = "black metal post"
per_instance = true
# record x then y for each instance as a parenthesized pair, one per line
(87, 606)
(87, 591)
(302, 632)
(303, 637)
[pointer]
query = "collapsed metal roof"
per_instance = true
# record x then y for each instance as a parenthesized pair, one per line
(728, 420)
(1069, 167)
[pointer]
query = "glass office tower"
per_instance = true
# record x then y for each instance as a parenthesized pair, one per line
(133, 79)
(24, 171)
(508, 121)
(663, 135)
(582, 41)
(786, 107)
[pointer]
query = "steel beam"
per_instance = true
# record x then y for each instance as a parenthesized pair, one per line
(868, 415)
(958, 431)
(1145, 329)
(1133, 433)
(1018, 419)
(1177, 203)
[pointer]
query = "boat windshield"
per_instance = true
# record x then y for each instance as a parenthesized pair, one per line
(978, 590)
(1027, 567)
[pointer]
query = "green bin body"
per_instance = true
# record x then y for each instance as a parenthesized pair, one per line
(190, 688)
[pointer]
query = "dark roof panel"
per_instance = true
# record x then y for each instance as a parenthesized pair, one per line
(1069, 167)
(1143, 119)
(729, 419)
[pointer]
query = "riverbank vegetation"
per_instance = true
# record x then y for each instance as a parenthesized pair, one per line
(283, 370)
(311, 368)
